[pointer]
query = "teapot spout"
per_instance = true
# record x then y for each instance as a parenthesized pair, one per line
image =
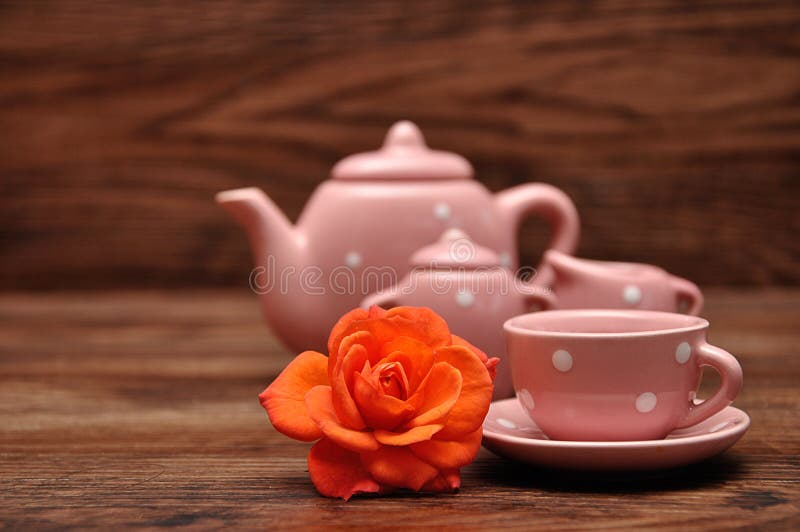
(268, 229)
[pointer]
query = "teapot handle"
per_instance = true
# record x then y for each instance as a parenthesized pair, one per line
(547, 202)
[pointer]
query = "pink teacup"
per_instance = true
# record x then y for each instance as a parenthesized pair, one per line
(614, 375)
(583, 283)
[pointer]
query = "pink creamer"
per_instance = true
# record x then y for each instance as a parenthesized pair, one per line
(466, 285)
(359, 228)
(582, 283)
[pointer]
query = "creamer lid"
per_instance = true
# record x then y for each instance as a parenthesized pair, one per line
(404, 155)
(455, 249)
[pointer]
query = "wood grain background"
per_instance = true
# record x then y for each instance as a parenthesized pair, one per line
(675, 126)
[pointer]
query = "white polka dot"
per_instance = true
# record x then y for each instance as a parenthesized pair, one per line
(353, 259)
(441, 211)
(632, 294)
(507, 423)
(526, 399)
(562, 360)
(646, 402)
(718, 426)
(465, 299)
(683, 352)
(505, 259)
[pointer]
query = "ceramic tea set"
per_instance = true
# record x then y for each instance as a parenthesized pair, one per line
(607, 388)
(359, 229)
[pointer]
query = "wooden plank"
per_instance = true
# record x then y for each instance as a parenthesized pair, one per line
(139, 409)
(675, 127)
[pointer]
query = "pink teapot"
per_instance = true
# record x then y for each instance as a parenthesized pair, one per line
(359, 228)
(466, 284)
(582, 283)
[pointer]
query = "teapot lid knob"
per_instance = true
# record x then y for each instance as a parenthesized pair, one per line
(404, 134)
(403, 156)
(455, 249)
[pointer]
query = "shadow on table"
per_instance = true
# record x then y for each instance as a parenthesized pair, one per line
(494, 470)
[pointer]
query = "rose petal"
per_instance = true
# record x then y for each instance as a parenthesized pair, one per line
(284, 399)
(449, 454)
(345, 406)
(476, 392)
(415, 435)
(362, 338)
(338, 330)
(341, 330)
(379, 411)
(337, 472)
(490, 363)
(436, 396)
(397, 466)
(376, 312)
(457, 340)
(319, 402)
(345, 324)
(335, 358)
(491, 367)
(415, 356)
(343, 402)
(353, 362)
(420, 323)
(445, 482)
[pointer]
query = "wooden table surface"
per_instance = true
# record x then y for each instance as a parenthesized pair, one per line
(139, 409)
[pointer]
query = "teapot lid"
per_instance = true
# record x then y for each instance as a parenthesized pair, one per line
(404, 155)
(455, 249)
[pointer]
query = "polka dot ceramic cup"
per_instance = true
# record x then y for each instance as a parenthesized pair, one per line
(615, 375)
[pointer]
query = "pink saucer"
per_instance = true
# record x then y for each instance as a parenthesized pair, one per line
(509, 432)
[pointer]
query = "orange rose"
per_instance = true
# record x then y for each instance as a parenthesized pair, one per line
(399, 403)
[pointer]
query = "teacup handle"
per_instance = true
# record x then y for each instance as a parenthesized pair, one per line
(686, 290)
(730, 373)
